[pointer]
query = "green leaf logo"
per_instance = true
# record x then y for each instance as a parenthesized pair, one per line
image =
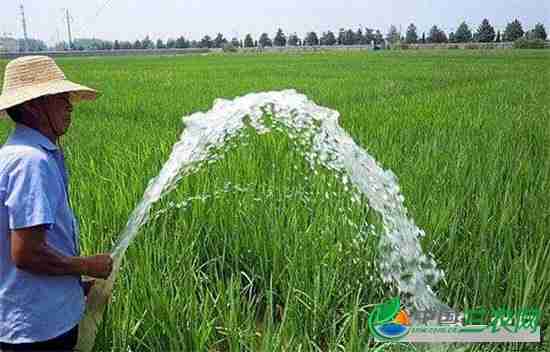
(382, 324)
(386, 312)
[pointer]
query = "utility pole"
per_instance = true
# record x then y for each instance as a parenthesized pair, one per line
(24, 22)
(69, 29)
(58, 39)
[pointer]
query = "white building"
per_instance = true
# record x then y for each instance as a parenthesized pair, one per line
(8, 45)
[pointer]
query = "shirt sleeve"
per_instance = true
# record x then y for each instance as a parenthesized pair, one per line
(33, 193)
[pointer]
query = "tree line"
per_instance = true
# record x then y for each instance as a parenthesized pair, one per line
(485, 33)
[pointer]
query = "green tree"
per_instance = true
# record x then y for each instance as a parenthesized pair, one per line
(206, 42)
(452, 38)
(219, 41)
(293, 39)
(311, 39)
(160, 44)
(125, 44)
(411, 35)
(393, 35)
(170, 43)
(328, 38)
(91, 44)
(60, 46)
(349, 37)
(463, 33)
(280, 38)
(265, 40)
(32, 45)
(423, 40)
(248, 41)
(358, 37)
(236, 43)
(485, 33)
(437, 35)
(147, 43)
(341, 36)
(499, 37)
(108, 45)
(378, 38)
(86, 44)
(137, 45)
(539, 32)
(117, 45)
(513, 31)
(182, 43)
(369, 35)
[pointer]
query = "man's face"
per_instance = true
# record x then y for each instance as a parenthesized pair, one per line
(59, 110)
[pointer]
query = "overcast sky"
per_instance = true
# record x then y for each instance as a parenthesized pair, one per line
(133, 19)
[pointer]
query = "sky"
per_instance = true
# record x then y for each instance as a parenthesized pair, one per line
(134, 19)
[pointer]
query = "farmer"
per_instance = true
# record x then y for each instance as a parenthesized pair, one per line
(42, 295)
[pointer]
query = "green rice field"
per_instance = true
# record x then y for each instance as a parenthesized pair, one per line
(274, 264)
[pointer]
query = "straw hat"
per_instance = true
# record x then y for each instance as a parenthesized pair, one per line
(30, 77)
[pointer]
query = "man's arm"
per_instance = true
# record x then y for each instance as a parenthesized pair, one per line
(30, 252)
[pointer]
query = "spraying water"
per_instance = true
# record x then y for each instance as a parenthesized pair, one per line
(326, 144)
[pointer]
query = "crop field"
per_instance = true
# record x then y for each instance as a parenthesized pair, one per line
(262, 254)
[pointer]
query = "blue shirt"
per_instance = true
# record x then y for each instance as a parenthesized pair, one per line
(34, 191)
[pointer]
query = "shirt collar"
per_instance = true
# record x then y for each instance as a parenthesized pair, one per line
(29, 136)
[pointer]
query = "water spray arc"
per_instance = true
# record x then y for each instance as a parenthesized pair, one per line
(404, 264)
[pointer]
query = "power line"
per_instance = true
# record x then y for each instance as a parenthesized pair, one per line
(83, 27)
(77, 28)
(101, 8)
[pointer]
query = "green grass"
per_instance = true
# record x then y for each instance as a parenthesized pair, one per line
(275, 268)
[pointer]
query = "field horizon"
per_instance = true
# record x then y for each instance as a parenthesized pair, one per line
(259, 258)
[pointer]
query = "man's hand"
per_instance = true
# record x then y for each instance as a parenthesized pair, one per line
(30, 252)
(98, 266)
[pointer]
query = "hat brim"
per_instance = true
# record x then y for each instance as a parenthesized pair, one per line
(18, 96)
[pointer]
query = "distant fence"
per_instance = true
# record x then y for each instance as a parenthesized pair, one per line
(286, 49)
(502, 45)
(308, 48)
(118, 52)
(136, 52)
